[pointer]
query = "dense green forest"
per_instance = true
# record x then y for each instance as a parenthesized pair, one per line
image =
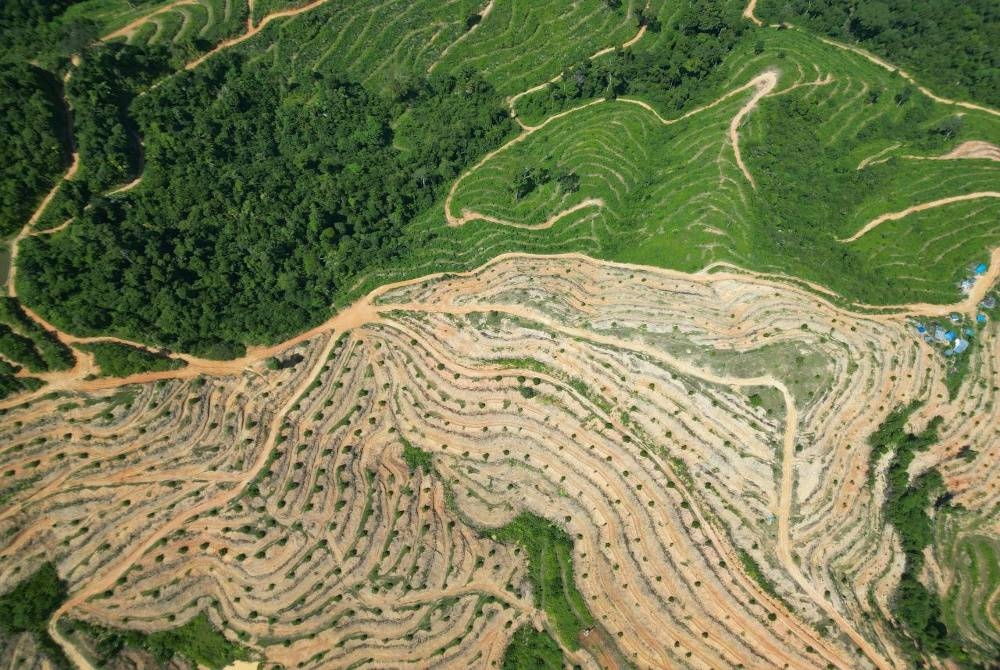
(100, 91)
(30, 29)
(35, 147)
(25, 342)
(952, 46)
(264, 191)
(28, 606)
(12, 385)
(269, 191)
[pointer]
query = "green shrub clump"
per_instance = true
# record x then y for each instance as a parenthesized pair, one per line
(121, 360)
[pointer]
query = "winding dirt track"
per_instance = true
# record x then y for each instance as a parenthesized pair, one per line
(764, 84)
(905, 75)
(686, 368)
(225, 496)
(124, 188)
(27, 229)
(253, 29)
(367, 311)
(895, 216)
(877, 157)
(483, 13)
(748, 13)
(973, 149)
(468, 215)
(363, 311)
(127, 30)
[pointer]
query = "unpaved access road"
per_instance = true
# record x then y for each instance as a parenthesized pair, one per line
(253, 29)
(895, 216)
(26, 230)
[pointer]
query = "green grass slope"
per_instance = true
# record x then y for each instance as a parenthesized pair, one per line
(830, 148)
(674, 195)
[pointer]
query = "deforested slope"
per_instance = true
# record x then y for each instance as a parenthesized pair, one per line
(698, 438)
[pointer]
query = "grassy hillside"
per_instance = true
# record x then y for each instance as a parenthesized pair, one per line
(638, 188)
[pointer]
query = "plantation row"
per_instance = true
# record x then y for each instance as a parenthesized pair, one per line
(498, 452)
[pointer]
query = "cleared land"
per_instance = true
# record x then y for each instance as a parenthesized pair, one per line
(678, 428)
(575, 457)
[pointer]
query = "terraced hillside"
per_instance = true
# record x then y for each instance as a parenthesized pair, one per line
(505, 334)
(698, 438)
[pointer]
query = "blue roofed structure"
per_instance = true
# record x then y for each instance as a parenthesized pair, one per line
(981, 318)
(950, 336)
(981, 269)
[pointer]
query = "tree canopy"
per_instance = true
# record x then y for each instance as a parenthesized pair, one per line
(263, 192)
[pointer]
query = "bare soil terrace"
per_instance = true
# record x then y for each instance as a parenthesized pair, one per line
(279, 501)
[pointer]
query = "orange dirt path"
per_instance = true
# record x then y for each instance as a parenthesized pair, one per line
(974, 149)
(905, 75)
(895, 216)
(253, 29)
(26, 231)
(765, 84)
(365, 311)
(127, 30)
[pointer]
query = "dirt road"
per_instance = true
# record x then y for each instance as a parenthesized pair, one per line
(765, 83)
(253, 29)
(369, 310)
(895, 216)
(784, 548)
(127, 30)
(26, 230)
(905, 75)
